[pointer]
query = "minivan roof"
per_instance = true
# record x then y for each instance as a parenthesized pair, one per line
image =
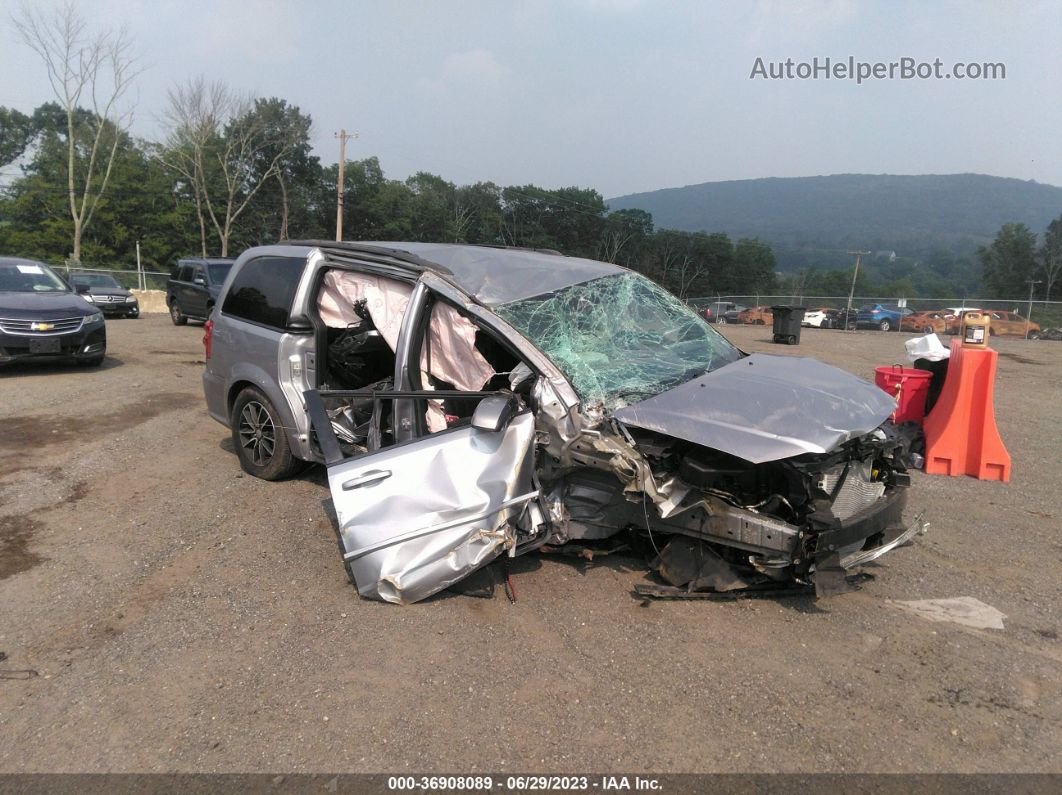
(492, 275)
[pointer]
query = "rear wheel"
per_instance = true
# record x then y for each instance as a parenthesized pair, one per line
(885, 325)
(927, 329)
(259, 437)
(177, 316)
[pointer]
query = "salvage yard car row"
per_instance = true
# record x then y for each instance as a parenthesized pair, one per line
(883, 317)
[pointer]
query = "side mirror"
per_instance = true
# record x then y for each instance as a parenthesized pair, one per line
(81, 288)
(493, 413)
(200, 281)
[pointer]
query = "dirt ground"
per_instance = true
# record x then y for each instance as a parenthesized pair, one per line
(160, 611)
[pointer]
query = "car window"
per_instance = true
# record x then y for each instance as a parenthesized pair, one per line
(218, 271)
(263, 290)
(94, 280)
(457, 354)
(30, 277)
(185, 274)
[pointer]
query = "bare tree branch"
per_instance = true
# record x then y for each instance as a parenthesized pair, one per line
(98, 69)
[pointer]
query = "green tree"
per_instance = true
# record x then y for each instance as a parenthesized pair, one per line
(391, 212)
(17, 130)
(139, 205)
(1051, 256)
(97, 70)
(1009, 262)
(432, 208)
(478, 215)
(626, 236)
(754, 266)
(362, 181)
(283, 201)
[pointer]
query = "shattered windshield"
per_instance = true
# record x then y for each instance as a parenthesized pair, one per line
(620, 339)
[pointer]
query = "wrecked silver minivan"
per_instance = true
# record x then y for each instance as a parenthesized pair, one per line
(471, 402)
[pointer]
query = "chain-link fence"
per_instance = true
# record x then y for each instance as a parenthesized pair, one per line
(129, 279)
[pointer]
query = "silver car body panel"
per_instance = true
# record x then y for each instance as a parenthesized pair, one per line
(765, 408)
(418, 517)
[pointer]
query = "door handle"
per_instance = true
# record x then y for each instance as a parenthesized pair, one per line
(372, 476)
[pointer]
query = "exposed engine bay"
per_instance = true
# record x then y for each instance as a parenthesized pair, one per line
(719, 522)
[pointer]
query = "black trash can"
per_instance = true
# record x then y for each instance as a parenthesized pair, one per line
(787, 320)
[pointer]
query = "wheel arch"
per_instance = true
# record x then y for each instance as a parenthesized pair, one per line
(253, 376)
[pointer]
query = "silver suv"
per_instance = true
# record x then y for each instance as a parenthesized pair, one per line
(470, 401)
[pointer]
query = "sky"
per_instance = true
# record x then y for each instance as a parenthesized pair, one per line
(621, 96)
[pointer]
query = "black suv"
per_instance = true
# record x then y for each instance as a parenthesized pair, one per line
(42, 318)
(193, 287)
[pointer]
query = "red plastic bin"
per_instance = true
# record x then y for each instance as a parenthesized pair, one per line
(909, 386)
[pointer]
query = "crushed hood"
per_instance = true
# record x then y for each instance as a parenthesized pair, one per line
(765, 408)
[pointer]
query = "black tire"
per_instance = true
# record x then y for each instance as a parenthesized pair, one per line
(259, 438)
(927, 329)
(177, 316)
(759, 323)
(722, 321)
(791, 340)
(885, 325)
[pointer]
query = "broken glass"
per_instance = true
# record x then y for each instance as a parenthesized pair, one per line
(620, 338)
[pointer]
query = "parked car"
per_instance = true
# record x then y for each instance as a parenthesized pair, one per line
(816, 318)
(927, 322)
(473, 401)
(105, 292)
(42, 318)
(881, 316)
(193, 287)
(733, 314)
(1011, 324)
(718, 311)
(756, 315)
(840, 318)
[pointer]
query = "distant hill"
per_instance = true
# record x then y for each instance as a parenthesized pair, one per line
(812, 221)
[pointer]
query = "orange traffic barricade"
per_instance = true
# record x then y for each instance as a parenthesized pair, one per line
(961, 433)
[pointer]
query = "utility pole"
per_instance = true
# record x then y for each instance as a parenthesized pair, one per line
(343, 137)
(851, 290)
(1028, 314)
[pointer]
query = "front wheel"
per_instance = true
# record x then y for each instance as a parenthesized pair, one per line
(177, 316)
(259, 437)
(927, 329)
(885, 325)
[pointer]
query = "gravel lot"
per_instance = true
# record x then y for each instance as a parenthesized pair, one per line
(180, 616)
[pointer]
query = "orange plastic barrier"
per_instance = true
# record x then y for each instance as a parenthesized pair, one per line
(961, 434)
